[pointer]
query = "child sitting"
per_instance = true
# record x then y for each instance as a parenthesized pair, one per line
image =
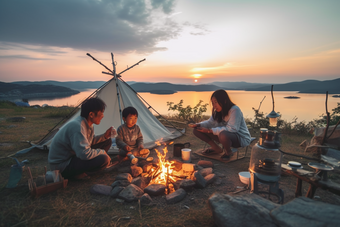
(129, 138)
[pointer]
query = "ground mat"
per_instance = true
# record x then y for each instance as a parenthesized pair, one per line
(218, 156)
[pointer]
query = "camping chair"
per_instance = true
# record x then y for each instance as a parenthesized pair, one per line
(236, 150)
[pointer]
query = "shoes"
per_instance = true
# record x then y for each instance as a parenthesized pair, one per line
(225, 156)
(209, 151)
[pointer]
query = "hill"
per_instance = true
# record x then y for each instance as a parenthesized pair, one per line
(306, 86)
(151, 87)
(77, 85)
(238, 85)
(12, 90)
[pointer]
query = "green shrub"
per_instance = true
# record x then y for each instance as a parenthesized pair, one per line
(188, 113)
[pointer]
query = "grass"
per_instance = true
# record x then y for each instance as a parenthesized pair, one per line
(75, 206)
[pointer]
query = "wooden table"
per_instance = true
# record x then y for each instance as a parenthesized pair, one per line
(313, 180)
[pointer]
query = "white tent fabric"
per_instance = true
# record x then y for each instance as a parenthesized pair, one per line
(151, 128)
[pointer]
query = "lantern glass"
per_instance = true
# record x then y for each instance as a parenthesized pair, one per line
(273, 122)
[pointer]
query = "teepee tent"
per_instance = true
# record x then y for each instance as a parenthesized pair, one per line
(117, 95)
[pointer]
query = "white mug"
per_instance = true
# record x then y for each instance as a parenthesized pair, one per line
(186, 155)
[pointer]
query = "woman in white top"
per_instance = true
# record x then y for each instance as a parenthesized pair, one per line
(226, 126)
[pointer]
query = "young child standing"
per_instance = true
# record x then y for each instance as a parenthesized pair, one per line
(130, 139)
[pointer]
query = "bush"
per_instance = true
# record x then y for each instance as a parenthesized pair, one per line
(188, 113)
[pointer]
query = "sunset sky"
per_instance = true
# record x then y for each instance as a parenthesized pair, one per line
(266, 41)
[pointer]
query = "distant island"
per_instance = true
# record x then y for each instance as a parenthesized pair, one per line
(163, 92)
(291, 97)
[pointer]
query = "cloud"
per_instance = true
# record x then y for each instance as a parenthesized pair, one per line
(119, 26)
(26, 57)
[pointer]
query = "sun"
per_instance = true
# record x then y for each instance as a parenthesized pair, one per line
(196, 81)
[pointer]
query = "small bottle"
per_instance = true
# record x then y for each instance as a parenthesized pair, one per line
(113, 132)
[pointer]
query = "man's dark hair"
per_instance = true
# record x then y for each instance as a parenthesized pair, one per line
(92, 105)
(129, 110)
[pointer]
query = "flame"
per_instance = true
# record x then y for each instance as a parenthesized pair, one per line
(164, 175)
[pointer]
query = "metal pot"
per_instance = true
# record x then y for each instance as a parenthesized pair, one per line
(178, 148)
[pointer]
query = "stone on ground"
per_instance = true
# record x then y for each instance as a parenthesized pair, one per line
(145, 199)
(131, 193)
(205, 164)
(210, 178)
(122, 183)
(124, 176)
(100, 189)
(176, 196)
(206, 171)
(115, 191)
(307, 212)
(155, 189)
(187, 184)
(247, 210)
(199, 180)
(141, 182)
(136, 171)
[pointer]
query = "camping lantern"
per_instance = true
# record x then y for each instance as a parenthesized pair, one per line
(273, 116)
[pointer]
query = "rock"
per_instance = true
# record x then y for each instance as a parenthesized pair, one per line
(122, 183)
(136, 171)
(130, 193)
(145, 199)
(247, 210)
(210, 178)
(177, 184)
(187, 184)
(147, 167)
(155, 189)
(205, 164)
(124, 169)
(206, 171)
(115, 191)
(124, 176)
(141, 182)
(100, 189)
(307, 212)
(199, 180)
(176, 196)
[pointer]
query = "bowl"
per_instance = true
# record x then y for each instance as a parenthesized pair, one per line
(244, 177)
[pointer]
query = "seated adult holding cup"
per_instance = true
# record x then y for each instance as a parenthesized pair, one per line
(75, 150)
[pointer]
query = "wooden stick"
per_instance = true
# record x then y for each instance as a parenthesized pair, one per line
(327, 126)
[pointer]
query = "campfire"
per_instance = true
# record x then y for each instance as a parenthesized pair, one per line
(165, 172)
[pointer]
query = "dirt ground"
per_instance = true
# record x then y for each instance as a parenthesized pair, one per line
(75, 206)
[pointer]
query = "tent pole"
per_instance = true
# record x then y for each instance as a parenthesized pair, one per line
(117, 88)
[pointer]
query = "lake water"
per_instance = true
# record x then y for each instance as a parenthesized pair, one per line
(307, 108)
